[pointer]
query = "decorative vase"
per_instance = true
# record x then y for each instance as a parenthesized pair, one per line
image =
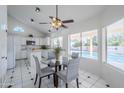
(57, 54)
(57, 58)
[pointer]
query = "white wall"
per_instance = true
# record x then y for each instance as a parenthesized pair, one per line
(113, 76)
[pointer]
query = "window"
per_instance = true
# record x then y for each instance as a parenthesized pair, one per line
(115, 44)
(75, 43)
(89, 44)
(18, 29)
(84, 43)
(57, 42)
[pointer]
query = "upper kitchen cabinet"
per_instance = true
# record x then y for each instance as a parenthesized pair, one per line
(37, 40)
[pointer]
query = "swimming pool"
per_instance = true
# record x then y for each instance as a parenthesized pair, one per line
(115, 58)
(111, 57)
(87, 54)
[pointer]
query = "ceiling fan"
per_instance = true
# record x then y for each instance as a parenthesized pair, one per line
(57, 23)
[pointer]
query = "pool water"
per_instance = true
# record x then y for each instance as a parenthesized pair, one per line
(111, 57)
(115, 58)
(87, 54)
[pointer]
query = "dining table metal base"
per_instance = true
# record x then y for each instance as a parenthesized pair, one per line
(57, 68)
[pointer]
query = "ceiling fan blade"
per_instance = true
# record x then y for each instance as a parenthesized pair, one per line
(49, 30)
(43, 23)
(68, 21)
(64, 26)
(51, 17)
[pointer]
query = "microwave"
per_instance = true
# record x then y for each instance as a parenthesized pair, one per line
(30, 42)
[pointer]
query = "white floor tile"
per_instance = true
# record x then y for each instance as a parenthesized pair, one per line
(91, 81)
(99, 85)
(86, 84)
(101, 81)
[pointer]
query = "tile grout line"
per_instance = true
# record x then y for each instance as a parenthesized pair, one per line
(88, 82)
(95, 83)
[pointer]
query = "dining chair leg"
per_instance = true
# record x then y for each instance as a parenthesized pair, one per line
(66, 85)
(63, 67)
(48, 76)
(36, 79)
(77, 83)
(40, 82)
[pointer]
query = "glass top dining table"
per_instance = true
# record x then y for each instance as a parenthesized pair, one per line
(53, 61)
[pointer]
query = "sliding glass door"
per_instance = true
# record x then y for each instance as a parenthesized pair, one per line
(75, 43)
(89, 44)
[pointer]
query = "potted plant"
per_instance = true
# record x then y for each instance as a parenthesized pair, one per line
(44, 47)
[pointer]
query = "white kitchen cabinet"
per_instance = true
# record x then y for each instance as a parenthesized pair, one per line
(20, 51)
(18, 42)
(40, 41)
(46, 41)
(37, 41)
(10, 51)
(3, 43)
(29, 38)
(3, 56)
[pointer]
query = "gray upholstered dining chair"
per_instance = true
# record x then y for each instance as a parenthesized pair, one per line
(65, 62)
(71, 73)
(51, 56)
(44, 72)
(75, 55)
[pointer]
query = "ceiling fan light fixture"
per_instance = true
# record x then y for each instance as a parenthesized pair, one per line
(37, 9)
(56, 23)
(54, 19)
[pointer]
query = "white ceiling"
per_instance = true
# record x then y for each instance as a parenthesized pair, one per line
(79, 13)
